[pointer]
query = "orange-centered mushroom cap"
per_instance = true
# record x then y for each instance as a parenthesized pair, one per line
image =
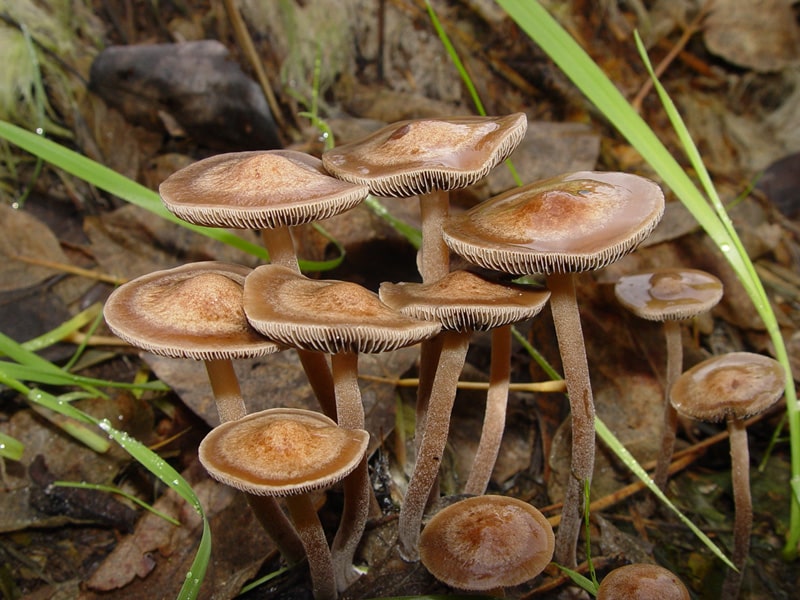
(574, 222)
(191, 311)
(419, 156)
(669, 294)
(258, 190)
(642, 582)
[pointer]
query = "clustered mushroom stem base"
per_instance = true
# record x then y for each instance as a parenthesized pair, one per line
(309, 528)
(434, 439)
(569, 332)
(672, 335)
(225, 385)
(743, 506)
(494, 421)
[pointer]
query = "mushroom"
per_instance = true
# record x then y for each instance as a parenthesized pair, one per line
(195, 311)
(669, 295)
(428, 157)
(571, 223)
(342, 319)
(732, 387)
(486, 543)
(284, 452)
(641, 581)
(272, 191)
(463, 302)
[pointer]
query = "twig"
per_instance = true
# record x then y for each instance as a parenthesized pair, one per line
(541, 386)
(66, 268)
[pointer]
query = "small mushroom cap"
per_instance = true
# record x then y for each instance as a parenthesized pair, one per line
(463, 300)
(326, 316)
(258, 190)
(419, 156)
(574, 222)
(737, 385)
(281, 452)
(486, 542)
(642, 582)
(669, 294)
(192, 311)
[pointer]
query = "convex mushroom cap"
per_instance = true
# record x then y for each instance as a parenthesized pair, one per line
(734, 385)
(192, 311)
(642, 582)
(281, 452)
(326, 316)
(463, 300)
(486, 542)
(668, 294)
(574, 222)
(258, 190)
(419, 156)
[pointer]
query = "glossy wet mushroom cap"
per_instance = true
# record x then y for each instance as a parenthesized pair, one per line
(642, 582)
(422, 155)
(574, 222)
(486, 542)
(282, 451)
(192, 311)
(734, 385)
(669, 294)
(258, 190)
(326, 316)
(464, 300)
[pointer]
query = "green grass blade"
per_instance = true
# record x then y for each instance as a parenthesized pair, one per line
(10, 447)
(69, 326)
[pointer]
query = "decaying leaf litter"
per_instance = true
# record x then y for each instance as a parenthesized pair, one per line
(739, 101)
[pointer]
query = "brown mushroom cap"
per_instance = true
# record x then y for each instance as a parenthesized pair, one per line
(326, 316)
(192, 311)
(669, 294)
(486, 542)
(419, 156)
(464, 300)
(642, 582)
(257, 190)
(737, 384)
(574, 222)
(281, 452)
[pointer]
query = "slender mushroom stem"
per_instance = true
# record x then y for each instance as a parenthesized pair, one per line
(225, 385)
(743, 506)
(357, 490)
(672, 334)
(494, 421)
(567, 321)
(280, 246)
(278, 526)
(310, 530)
(434, 254)
(434, 439)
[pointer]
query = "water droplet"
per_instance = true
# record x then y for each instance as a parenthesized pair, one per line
(39, 131)
(725, 247)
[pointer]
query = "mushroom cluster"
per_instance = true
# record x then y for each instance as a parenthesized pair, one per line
(216, 313)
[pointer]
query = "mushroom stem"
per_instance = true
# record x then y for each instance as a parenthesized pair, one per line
(357, 490)
(434, 439)
(311, 533)
(672, 335)
(743, 506)
(494, 421)
(567, 321)
(318, 373)
(280, 246)
(434, 255)
(225, 385)
(278, 526)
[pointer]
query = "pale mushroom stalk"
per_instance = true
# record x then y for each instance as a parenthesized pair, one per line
(434, 439)
(225, 385)
(320, 563)
(495, 419)
(280, 245)
(743, 503)
(434, 254)
(672, 335)
(566, 319)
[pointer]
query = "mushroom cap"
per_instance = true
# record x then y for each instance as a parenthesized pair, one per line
(668, 294)
(192, 311)
(574, 222)
(486, 542)
(463, 300)
(642, 582)
(257, 190)
(282, 452)
(737, 385)
(326, 316)
(422, 155)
